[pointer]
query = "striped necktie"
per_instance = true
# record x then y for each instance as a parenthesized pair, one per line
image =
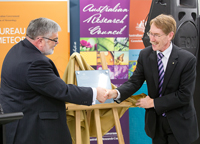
(160, 73)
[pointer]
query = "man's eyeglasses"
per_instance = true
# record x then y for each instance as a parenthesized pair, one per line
(51, 39)
(154, 35)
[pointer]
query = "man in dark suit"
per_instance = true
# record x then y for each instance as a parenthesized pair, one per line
(170, 116)
(30, 83)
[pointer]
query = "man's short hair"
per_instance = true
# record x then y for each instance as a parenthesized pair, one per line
(42, 27)
(165, 22)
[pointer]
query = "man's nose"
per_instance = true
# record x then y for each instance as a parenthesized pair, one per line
(152, 38)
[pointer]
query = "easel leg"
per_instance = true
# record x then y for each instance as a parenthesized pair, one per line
(118, 126)
(98, 126)
(78, 127)
(89, 116)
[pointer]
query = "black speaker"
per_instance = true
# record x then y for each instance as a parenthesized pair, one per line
(185, 12)
(197, 90)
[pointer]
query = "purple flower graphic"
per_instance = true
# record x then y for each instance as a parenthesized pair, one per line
(121, 71)
(83, 43)
(87, 44)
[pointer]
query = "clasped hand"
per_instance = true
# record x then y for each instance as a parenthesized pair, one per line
(104, 94)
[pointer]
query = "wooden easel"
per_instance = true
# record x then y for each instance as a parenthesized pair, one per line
(96, 108)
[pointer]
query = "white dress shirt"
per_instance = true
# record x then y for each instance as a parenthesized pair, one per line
(166, 54)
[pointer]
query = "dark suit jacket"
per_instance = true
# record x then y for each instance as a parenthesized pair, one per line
(177, 93)
(30, 83)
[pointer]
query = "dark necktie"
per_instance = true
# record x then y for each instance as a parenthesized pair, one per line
(160, 75)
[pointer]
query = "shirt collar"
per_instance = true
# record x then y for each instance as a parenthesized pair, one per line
(167, 52)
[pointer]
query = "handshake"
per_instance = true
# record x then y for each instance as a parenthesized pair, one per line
(104, 94)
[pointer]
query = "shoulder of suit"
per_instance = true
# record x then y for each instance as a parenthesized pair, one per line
(183, 54)
(147, 50)
(183, 51)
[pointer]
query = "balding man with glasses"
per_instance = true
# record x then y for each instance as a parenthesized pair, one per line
(30, 83)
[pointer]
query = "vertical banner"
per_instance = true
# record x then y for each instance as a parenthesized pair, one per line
(74, 26)
(139, 10)
(15, 17)
(104, 27)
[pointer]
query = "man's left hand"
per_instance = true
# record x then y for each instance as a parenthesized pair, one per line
(146, 102)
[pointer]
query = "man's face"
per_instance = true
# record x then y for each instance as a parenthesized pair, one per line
(49, 44)
(159, 40)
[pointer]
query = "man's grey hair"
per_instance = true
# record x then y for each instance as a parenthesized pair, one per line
(42, 27)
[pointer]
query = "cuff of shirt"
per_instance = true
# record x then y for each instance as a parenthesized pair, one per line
(118, 96)
(94, 96)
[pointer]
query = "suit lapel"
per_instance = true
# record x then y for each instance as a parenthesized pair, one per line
(173, 59)
(154, 67)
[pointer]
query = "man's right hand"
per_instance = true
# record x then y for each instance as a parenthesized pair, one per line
(111, 94)
(101, 97)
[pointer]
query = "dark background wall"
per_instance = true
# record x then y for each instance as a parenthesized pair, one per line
(197, 89)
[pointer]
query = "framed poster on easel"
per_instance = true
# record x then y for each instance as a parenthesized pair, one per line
(94, 78)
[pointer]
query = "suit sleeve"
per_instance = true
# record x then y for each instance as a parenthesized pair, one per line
(42, 77)
(134, 83)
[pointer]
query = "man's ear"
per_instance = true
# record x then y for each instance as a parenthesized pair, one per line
(39, 43)
(171, 34)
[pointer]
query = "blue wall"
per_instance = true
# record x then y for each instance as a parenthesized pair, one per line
(136, 122)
